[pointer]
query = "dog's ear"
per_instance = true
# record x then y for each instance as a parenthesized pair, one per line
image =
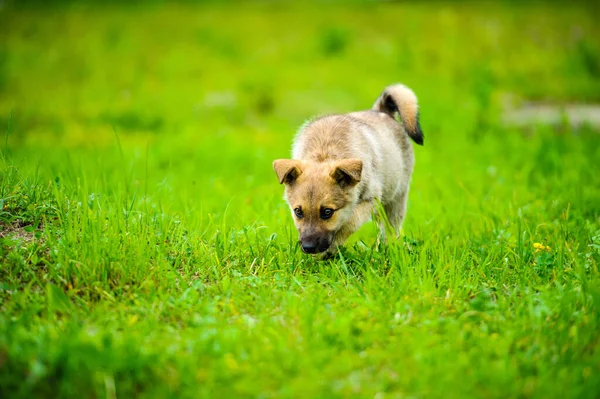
(287, 170)
(347, 172)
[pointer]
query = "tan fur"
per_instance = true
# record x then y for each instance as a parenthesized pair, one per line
(406, 104)
(348, 162)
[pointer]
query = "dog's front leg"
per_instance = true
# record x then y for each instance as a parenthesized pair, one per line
(362, 214)
(380, 216)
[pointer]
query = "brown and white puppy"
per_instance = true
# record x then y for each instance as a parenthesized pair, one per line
(342, 165)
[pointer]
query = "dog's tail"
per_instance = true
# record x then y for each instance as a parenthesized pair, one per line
(399, 99)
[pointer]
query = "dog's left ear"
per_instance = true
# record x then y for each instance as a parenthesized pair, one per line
(287, 170)
(347, 172)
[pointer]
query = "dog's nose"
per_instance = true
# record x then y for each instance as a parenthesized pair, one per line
(309, 247)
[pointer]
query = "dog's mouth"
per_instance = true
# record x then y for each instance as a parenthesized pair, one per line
(314, 249)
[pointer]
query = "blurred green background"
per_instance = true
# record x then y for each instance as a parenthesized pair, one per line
(146, 249)
(187, 77)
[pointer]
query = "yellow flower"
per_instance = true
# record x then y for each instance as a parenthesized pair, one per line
(540, 247)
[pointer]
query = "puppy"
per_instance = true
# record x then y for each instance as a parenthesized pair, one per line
(343, 165)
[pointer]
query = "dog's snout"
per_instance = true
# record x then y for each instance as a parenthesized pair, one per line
(309, 247)
(312, 244)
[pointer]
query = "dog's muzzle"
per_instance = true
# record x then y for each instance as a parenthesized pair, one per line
(312, 244)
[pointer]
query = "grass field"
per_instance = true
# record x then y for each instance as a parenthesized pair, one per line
(146, 250)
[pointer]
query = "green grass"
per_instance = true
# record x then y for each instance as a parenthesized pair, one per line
(146, 250)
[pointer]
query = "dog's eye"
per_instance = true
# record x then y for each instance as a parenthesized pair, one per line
(326, 213)
(298, 212)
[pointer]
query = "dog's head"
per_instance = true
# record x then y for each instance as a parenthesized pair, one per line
(322, 197)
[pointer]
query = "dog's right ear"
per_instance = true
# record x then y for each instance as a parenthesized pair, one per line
(287, 170)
